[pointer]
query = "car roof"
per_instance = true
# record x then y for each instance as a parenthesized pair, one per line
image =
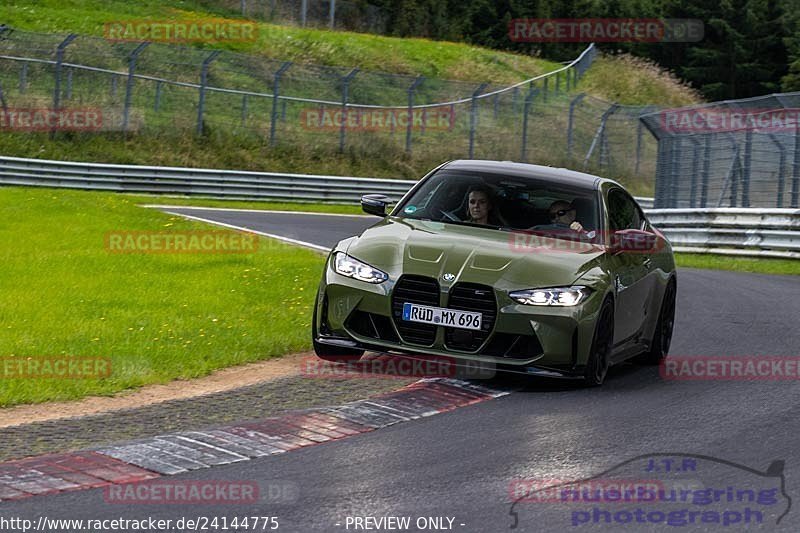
(509, 168)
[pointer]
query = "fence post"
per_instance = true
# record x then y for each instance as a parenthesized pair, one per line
(706, 170)
(473, 118)
(158, 96)
(734, 196)
(23, 78)
(410, 118)
(332, 15)
(525, 109)
(781, 172)
(244, 110)
(672, 198)
(598, 136)
(68, 92)
(571, 121)
(345, 95)
(639, 131)
(662, 160)
(544, 90)
(748, 158)
(276, 86)
(731, 175)
(59, 60)
(303, 11)
(695, 165)
(3, 102)
(558, 83)
(796, 168)
(203, 81)
(243, 7)
(129, 85)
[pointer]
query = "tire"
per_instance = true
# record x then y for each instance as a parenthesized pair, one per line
(662, 336)
(334, 354)
(602, 342)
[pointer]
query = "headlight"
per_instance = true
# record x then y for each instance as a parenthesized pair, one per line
(556, 296)
(353, 268)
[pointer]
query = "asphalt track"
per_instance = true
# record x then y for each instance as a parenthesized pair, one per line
(461, 464)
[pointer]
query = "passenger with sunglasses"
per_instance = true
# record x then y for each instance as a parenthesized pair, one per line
(562, 222)
(563, 214)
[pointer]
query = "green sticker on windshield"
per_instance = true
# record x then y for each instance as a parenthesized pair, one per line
(410, 209)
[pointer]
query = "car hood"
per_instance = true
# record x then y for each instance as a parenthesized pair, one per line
(480, 255)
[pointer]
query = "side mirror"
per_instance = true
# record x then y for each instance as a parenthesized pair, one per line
(375, 204)
(634, 240)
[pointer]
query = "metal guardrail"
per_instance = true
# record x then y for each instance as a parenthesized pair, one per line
(219, 184)
(731, 231)
(734, 231)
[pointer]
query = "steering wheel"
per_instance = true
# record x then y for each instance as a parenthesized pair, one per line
(448, 215)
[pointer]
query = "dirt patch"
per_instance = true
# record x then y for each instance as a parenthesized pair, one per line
(222, 380)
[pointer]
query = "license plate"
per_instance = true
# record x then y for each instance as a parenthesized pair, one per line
(441, 316)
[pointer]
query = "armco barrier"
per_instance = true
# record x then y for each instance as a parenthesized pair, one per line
(220, 184)
(735, 231)
(731, 231)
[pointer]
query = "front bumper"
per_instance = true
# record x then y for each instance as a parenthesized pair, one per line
(480, 368)
(544, 341)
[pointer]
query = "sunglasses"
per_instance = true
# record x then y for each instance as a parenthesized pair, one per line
(561, 212)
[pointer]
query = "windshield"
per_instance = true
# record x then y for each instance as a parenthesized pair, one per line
(504, 202)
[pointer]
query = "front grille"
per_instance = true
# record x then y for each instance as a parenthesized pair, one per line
(371, 325)
(418, 290)
(471, 297)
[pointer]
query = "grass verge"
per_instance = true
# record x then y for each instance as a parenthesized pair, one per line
(761, 265)
(157, 317)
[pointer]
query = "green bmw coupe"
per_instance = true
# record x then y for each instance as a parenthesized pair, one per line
(531, 269)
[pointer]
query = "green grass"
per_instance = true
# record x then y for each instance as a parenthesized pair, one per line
(631, 80)
(762, 265)
(435, 59)
(343, 208)
(158, 317)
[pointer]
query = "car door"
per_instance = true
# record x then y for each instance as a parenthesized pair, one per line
(630, 268)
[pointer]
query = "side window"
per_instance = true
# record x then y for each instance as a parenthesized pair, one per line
(623, 213)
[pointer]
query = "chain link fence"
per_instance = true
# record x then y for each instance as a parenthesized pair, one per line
(739, 153)
(152, 88)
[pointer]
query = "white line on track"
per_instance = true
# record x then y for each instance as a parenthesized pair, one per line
(311, 245)
(158, 206)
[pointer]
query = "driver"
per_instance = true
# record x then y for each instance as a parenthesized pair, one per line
(563, 214)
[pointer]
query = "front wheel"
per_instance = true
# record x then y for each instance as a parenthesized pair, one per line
(602, 343)
(662, 336)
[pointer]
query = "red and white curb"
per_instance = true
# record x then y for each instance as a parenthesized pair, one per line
(182, 452)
